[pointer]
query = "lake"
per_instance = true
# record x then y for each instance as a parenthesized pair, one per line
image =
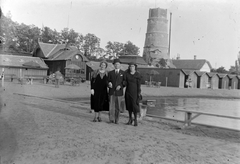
(165, 107)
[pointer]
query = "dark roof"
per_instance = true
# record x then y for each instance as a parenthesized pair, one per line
(21, 61)
(196, 64)
(232, 76)
(221, 75)
(65, 54)
(50, 49)
(125, 59)
(199, 73)
(211, 74)
(188, 72)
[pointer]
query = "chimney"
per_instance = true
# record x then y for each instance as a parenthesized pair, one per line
(178, 56)
(195, 57)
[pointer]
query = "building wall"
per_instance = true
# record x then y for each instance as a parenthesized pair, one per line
(234, 83)
(167, 77)
(214, 82)
(21, 72)
(81, 73)
(224, 83)
(55, 65)
(202, 81)
(194, 79)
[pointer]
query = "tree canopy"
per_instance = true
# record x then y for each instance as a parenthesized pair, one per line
(24, 38)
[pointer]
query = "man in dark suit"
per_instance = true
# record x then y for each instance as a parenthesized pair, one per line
(115, 84)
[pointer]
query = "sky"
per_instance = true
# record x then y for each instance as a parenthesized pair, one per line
(209, 29)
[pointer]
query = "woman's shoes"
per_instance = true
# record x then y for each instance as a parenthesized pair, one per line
(130, 122)
(98, 119)
(135, 122)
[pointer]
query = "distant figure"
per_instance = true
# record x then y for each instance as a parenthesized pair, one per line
(115, 84)
(58, 76)
(189, 82)
(132, 81)
(99, 91)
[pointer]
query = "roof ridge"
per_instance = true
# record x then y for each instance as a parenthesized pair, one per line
(57, 55)
(51, 50)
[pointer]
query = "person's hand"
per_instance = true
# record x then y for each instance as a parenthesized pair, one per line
(110, 85)
(92, 91)
(118, 88)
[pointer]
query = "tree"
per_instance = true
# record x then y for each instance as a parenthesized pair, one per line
(91, 44)
(114, 49)
(130, 49)
(220, 70)
(70, 36)
(50, 36)
(27, 37)
(7, 32)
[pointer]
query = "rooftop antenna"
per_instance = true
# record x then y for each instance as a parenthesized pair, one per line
(68, 14)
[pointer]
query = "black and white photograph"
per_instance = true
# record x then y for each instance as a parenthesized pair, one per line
(119, 81)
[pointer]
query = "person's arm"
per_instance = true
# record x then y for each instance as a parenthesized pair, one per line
(93, 78)
(139, 84)
(125, 79)
(120, 84)
(109, 80)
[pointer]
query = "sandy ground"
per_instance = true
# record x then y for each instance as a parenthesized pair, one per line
(35, 127)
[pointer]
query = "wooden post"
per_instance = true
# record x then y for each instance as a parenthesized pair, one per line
(166, 81)
(2, 77)
(188, 116)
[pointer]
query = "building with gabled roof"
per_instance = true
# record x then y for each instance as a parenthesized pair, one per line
(223, 81)
(46, 50)
(213, 80)
(59, 56)
(233, 81)
(190, 76)
(19, 66)
(202, 80)
(193, 64)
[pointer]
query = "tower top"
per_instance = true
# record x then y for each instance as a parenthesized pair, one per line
(157, 12)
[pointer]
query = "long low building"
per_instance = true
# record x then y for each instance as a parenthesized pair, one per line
(13, 66)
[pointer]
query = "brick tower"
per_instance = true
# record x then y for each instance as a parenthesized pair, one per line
(156, 46)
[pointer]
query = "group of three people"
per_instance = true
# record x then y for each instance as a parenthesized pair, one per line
(107, 91)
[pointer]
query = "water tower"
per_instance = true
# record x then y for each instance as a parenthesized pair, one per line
(156, 47)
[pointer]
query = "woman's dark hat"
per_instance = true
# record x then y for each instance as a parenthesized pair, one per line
(116, 61)
(132, 63)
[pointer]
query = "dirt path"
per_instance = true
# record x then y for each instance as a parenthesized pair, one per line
(44, 131)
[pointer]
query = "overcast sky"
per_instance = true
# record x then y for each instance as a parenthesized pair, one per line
(209, 29)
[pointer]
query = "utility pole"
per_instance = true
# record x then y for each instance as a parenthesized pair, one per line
(170, 31)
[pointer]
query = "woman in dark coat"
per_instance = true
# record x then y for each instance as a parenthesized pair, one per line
(132, 81)
(99, 92)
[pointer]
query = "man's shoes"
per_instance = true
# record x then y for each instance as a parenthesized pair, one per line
(116, 122)
(94, 120)
(111, 122)
(99, 119)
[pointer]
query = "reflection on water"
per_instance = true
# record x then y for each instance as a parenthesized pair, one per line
(230, 107)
